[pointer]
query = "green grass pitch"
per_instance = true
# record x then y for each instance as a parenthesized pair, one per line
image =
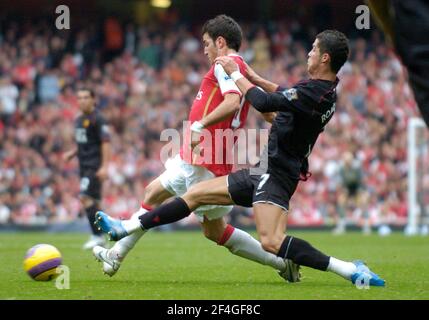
(184, 265)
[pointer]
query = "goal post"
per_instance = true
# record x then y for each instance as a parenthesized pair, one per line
(415, 125)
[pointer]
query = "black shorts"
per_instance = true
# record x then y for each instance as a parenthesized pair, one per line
(90, 185)
(246, 189)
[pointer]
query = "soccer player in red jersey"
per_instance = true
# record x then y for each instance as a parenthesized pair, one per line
(218, 106)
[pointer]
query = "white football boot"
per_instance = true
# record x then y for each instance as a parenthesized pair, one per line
(291, 273)
(111, 264)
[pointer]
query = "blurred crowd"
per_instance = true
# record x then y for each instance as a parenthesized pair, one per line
(146, 79)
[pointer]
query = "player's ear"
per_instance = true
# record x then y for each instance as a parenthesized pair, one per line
(220, 42)
(326, 58)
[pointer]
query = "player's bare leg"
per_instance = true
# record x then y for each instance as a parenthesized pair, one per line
(155, 194)
(281, 228)
(214, 229)
(268, 217)
(240, 243)
(237, 241)
(214, 192)
(274, 240)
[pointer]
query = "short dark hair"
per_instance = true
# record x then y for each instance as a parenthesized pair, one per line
(91, 91)
(336, 44)
(226, 27)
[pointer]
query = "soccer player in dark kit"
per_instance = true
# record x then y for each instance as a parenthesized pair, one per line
(302, 113)
(93, 152)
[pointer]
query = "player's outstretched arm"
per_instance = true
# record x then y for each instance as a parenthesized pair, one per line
(70, 154)
(261, 101)
(229, 106)
(104, 134)
(257, 80)
(231, 99)
(232, 69)
(105, 154)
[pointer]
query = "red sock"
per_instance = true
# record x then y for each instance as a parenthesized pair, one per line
(146, 206)
(226, 235)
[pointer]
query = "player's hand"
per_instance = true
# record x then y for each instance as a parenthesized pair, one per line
(228, 64)
(195, 140)
(196, 130)
(102, 173)
(69, 155)
(251, 75)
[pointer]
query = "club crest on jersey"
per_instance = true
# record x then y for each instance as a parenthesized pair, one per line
(291, 94)
(227, 77)
(86, 123)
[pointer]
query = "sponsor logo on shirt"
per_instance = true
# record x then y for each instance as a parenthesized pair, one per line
(291, 94)
(328, 113)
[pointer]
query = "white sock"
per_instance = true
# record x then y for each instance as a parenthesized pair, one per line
(123, 246)
(342, 268)
(133, 224)
(244, 245)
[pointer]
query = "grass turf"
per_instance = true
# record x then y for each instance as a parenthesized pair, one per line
(183, 265)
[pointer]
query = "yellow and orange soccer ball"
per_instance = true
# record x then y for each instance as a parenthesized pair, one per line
(41, 262)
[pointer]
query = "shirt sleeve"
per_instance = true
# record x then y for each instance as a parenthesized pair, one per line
(296, 99)
(226, 84)
(103, 130)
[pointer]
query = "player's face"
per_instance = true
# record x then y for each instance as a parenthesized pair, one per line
(85, 101)
(314, 57)
(210, 49)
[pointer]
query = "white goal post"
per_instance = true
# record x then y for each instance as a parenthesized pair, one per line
(413, 153)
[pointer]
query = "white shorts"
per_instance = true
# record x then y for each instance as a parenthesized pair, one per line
(179, 176)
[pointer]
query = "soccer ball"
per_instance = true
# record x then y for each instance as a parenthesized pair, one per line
(41, 262)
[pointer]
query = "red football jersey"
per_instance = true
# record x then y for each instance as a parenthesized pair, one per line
(216, 151)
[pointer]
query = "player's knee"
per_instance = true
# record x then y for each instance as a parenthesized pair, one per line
(194, 196)
(268, 243)
(150, 196)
